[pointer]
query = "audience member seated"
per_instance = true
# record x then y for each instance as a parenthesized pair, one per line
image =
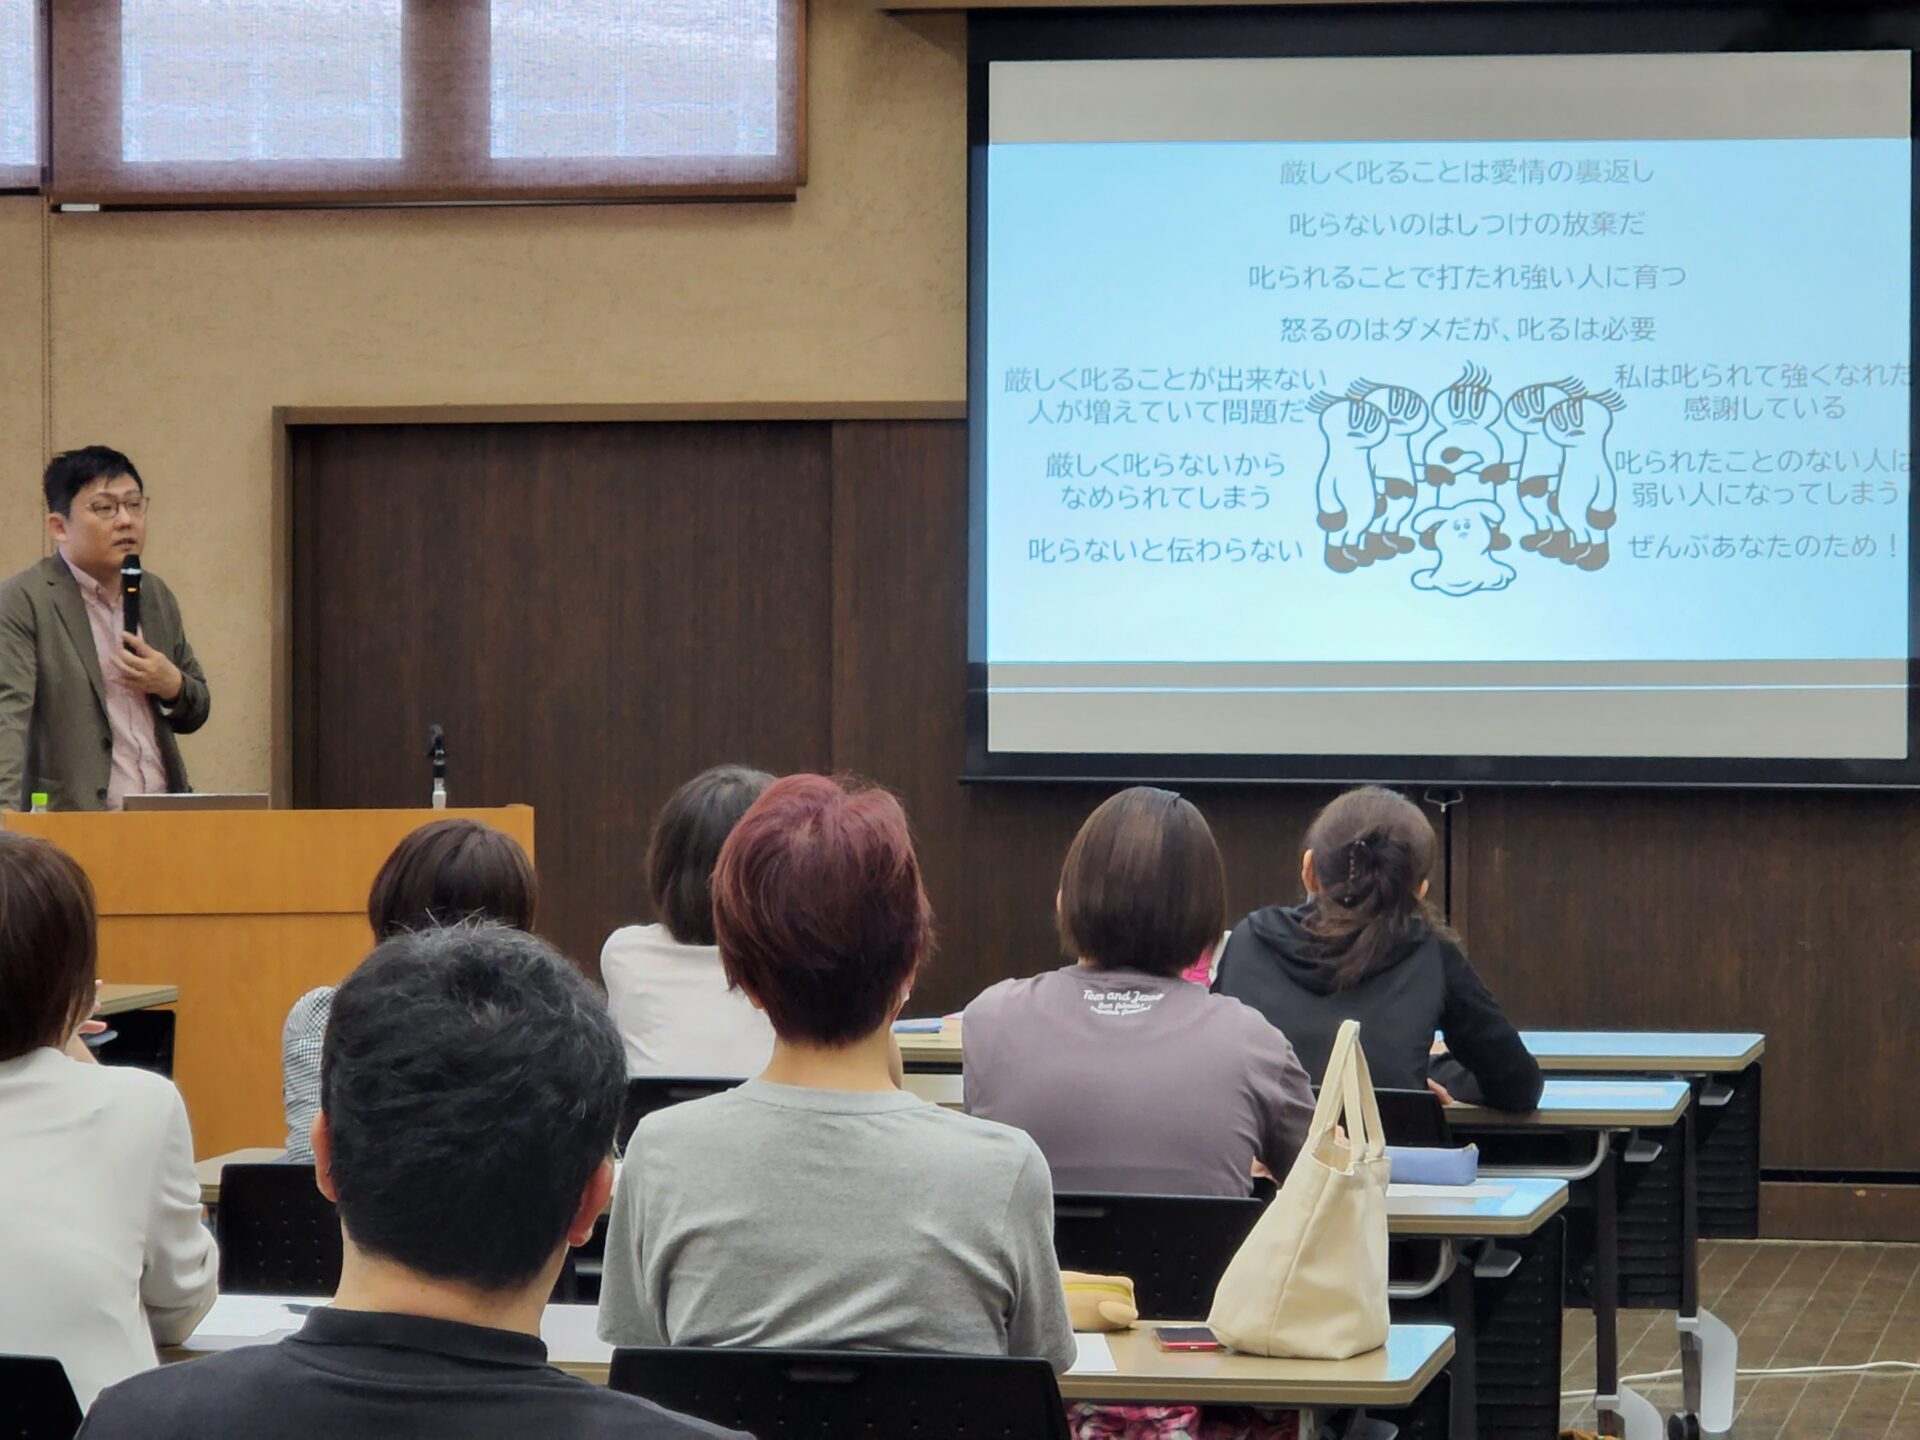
(1131, 1078)
(102, 1252)
(677, 1011)
(441, 874)
(470, 1085)
(817, 1204)
(1367, 946)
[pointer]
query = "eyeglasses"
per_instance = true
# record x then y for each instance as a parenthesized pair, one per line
(134, 505)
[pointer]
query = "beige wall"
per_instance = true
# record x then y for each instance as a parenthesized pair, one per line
(173, 336)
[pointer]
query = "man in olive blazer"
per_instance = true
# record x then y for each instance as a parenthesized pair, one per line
(61, 717)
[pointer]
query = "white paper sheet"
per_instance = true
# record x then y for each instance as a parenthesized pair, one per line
(1479, 1190)
(569, 1333)
(251, 1317)
(1096, 1356)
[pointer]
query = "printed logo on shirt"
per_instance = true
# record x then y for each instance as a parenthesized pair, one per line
(1122, 1002)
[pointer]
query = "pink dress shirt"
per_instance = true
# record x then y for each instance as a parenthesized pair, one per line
(137, 766)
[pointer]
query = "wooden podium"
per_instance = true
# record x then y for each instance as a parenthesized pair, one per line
(243, 911)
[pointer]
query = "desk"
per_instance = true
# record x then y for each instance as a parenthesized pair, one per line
(118, 999)
(1725, 1070)
(935, 1051)
(1659, 1052)
(1502, 1301)
(1384, 1379)
(1391, 1376)
(1494, 1207)
(946, 1087)
(1596, 1105)
(239, 1320)
(1604, 1109)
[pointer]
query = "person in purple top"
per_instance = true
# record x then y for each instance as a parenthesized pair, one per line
(1130, 1078)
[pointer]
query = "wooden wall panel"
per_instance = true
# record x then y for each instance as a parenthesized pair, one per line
(594, 613)
(1791, 913)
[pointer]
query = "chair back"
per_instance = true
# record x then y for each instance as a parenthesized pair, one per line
(1173, 1247)
(1414, 1117)
(648, 1093)
(1411, 1117)
(278, 1234)
(143, 1040)
(36, 1400)
(832, 1394)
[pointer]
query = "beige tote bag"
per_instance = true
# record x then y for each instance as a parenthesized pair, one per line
(1310, 1282)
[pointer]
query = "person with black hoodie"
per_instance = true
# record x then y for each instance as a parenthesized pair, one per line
(1367, 946)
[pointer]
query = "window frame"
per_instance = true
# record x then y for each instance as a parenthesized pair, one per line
(446, 126)
(31, 178)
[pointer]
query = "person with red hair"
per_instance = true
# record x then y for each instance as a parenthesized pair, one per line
(818, 1205)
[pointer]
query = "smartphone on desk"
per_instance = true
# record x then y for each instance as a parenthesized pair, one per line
(1185, 1337)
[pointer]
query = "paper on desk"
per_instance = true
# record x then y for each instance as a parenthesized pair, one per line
(571, 1337)
(1479, 1190)
(1096, 1356)
(242, 1319)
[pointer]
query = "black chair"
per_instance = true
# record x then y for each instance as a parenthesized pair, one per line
(833, 1394)
(648, 1093)
(1411, 1117)
(278, 1234)
(36, 1402)
(141, 1040)
(1414, 1117)
(1174, 1248)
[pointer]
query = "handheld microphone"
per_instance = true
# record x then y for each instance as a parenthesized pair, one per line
(130, 574)
(437, 753)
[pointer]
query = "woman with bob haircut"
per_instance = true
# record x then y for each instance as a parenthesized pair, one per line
(1132, 1079)
(101, 1247)
(441, 874)
(818, 1205)
(677, 1011)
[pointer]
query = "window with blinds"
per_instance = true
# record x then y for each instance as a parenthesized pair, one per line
(19, 94)
(367, 101)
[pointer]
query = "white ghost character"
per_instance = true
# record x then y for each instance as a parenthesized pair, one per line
(1464, 534)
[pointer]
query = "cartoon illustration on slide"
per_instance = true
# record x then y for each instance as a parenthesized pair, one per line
(1463, 534)
(1466, 445)
(1585, 501)
(1348, 495)
(1548, 441)
(1393, 463)
(1541, 459)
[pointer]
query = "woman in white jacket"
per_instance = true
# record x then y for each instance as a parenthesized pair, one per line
(102, 1253)
(676, 1012)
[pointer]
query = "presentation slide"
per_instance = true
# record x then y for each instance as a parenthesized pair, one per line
(1533, 406)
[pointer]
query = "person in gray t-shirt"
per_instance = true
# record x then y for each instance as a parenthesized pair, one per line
(818, 1205)
(1133, 1080)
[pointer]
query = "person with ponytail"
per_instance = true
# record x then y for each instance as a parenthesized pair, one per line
(1368, 946)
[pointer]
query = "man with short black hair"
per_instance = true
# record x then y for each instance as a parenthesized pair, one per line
(469, 1089)
(88, 713)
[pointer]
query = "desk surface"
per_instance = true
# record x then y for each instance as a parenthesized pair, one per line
(116, 999)
(1488, 1208)
(1683, 1052)
(1393, 1375)
(240, 1320)
(1586, 1105)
